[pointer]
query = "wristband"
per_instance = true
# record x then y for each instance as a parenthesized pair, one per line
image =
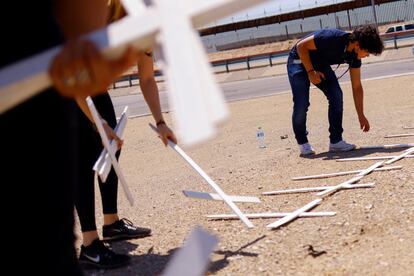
(311, 70)
(160, 122)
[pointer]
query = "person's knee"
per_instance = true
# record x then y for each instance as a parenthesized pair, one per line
(300, 107)
(299, 115)
(336, 102)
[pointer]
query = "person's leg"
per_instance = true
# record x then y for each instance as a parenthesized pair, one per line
(299, 83)
(41, 145)
(94, 253)
(85, 196)
(333, 92)
(114, 228)
(109, 189)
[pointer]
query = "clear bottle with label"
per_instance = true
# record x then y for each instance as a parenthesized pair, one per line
(260, 138)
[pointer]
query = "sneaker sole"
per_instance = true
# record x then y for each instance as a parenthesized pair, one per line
(342, 150)
(307, 154)
(125, 237)
(89, 265)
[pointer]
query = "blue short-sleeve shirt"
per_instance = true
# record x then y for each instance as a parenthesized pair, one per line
(330, 49)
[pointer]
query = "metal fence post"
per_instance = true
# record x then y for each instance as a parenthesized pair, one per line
(130, 80)
(395, 42)
(270, 60)
(287, 33)
(227, 66)
(248, 63)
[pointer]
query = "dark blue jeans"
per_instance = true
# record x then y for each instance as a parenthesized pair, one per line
(299, 82)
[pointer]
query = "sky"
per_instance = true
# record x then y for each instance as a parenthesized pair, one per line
(273, 7)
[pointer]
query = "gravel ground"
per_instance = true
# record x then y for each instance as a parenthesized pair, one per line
(371, 234)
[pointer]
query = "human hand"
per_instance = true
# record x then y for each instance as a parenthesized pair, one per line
(80, 69)
(165, 134)
(364, 123)
(112, 134)
(315, 77)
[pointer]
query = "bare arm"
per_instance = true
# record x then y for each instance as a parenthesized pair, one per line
(358, 95)
(150, 91)
(303, 47)
(148, 85)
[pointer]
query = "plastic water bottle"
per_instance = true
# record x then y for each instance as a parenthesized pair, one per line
(260, 138)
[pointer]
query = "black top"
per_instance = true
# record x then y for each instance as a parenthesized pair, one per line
(30, 30)
(330, 49)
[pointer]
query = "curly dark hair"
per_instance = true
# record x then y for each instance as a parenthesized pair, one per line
(368, 39)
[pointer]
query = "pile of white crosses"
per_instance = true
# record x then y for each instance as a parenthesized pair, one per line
(322, 191)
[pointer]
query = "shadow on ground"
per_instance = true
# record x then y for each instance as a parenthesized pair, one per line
(222, 263)
(149, 263)
(152, 263)
(354, 153)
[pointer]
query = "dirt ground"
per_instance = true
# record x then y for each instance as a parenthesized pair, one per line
(371, 234)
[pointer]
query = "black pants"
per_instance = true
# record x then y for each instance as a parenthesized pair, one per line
(39, 170)
(90, 148)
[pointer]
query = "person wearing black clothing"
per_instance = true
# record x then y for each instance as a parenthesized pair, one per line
(310, 61)
(94, 253)
(39, 137)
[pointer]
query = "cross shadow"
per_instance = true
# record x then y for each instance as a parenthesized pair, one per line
(222, 263)
(353, 153)
(149, 263)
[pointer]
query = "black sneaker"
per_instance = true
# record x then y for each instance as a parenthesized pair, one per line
(124, 229)
(97, 255)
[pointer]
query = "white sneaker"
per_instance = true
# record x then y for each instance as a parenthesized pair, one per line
(341, 146)
(306, 149)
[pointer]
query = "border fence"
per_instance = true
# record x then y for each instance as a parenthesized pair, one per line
(397, 11)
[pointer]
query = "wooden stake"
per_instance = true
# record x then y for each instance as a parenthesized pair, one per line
(327, 175)
(370, 158)
(399, 135)
(401, 156)
(316, 189)
(393, 146)
(273, 215)
(358, 177)
(211, 196)
(295, 214)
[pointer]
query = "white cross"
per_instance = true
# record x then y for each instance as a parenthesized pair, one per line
(103, 165)
(193, 257)
(213, 196)
(193, 92)
(109, 149)
(212, 184)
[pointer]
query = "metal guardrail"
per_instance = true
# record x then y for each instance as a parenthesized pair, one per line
(266, 56)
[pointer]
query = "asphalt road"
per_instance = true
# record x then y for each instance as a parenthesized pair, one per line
(248, 89)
